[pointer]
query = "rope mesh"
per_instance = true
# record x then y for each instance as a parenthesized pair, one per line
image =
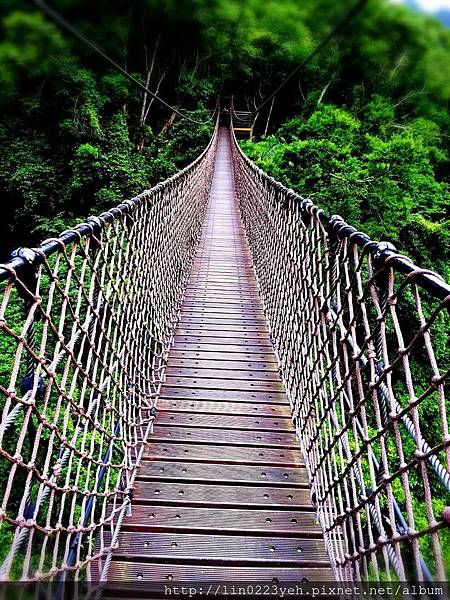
(86, 322)
(361, 336)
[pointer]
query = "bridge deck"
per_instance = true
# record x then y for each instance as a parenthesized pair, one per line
(222, 493)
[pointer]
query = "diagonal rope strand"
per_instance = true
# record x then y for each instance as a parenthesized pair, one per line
(69, 28)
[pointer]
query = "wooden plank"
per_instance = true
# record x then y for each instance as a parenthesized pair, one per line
(216, 319)
(219, 300)
(219, 244)
(215, 269)
(225, 496)
(188, 354)
(227, 474)
(219, 260)
(215, 288)
(220, 272)
(235, 298)
(223, 338)
(224, 274)
(222, 253)
(221, 455)
(231, 290)
(221, 496)
(226, 422)
(222, 256)
(240, 550)
(223, 395)
(200, 293)
(221, 279)
(224, 408)
(214, 304)
(226, 350)
(223, 368)
(237, 329)
(226, 333)
(136, 574)
(211, 274)
(223, 309)
(216, 316)
(154, 518)
(222, 344)
(221, 436)
(223, 384)
(176, 370)
(218, 286)
(217, 272)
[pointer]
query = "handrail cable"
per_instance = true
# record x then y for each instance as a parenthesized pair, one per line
(64, 24)
(336, 30)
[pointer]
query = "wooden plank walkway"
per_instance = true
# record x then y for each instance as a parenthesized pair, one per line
(222, 494)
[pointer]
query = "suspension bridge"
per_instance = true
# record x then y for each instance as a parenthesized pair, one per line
(213, 382)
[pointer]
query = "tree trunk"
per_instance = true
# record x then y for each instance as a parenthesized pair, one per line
(169, 122)
(268, 116)
(323, 92)
(144, 111)
(153, 99)
(301, 89)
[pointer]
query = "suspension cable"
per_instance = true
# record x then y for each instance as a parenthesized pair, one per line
(64, 24)
(335, 31)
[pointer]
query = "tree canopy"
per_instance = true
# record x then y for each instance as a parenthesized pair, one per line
(363, 128)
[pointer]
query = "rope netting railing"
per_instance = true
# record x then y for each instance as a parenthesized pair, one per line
(361, 336)
(86, 322)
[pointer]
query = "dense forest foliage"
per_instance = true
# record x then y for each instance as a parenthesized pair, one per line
(363, 129)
